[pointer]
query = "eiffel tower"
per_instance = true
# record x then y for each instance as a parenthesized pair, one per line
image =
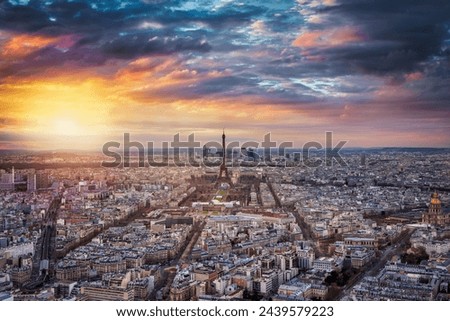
(223, 167)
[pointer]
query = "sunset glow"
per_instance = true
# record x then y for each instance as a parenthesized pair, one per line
(97, 69)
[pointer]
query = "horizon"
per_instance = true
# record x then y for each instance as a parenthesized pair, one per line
(75, 75)
(41, 151)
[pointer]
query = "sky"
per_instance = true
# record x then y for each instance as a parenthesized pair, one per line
(76, 74)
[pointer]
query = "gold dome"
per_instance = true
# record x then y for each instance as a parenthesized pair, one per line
(435, 199)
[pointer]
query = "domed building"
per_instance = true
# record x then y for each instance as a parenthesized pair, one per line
(435, 214)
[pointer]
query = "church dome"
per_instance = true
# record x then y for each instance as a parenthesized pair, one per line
(435, 199)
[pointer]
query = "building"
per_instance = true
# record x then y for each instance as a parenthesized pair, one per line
(42, 180)
(5, 282)
(109, 265)
(64, 289)
(435, 214)
(367, 242)
(4, 296)
(324, 264)
(184, 291)
(71, 271)
(142, 288)
(106, 293)
(17, 250)
(7, 181)
(360, 258)
(20, 275)
(402, 282)
(306, 257)
(299, 291)
(31, 182)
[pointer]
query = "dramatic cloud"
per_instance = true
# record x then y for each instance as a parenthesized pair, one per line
(328, 38)
(129, 47)
(399, 35)
(361, 68)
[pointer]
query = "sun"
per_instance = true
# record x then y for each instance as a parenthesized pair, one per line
(67, 127)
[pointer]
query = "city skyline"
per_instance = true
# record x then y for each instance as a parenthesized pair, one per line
(74, 75)
(375, 231)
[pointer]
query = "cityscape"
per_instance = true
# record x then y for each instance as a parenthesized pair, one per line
(218, 150)
(375, 229)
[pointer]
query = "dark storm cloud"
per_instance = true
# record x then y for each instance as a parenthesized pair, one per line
(60, 16)
(103, 30)
(22, 18)
(297, 66)
(44, 59)
(229, 85)
(132, 46)
(399, 35)
(223, 84)
(116, 29)
(85, 17)
(227, 16)
(243, 85)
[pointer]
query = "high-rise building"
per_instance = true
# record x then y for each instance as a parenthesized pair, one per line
(8, 178)
(42, 180)
(31, 182)
(7, 181)
(205, 151)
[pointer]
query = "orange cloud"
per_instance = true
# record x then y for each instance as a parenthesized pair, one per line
(414, 76)
(22, 45)
(328, 38)
(329, 2)
(317, 3)
(393, 92)
(149, 75)
(144, 69)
